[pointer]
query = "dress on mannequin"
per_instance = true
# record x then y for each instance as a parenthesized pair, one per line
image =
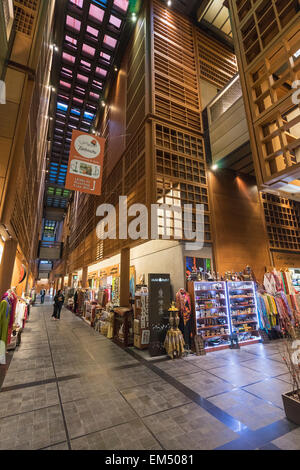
(183, 303)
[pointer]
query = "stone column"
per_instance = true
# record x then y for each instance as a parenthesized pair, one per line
(84, 279)
(124, 277)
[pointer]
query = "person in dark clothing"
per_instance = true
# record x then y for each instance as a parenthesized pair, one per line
(58, 303)
(42, 294)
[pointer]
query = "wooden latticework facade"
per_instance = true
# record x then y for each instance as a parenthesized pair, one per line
(282, 218)
(27, 74)
(267, 34)
(164, 157)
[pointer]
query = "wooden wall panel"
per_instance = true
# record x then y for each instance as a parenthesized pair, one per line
(239, 234)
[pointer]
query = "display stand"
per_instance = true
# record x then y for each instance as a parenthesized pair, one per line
(211, 314)
(243, 311)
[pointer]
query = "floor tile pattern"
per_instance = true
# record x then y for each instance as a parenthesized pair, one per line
(67, 387)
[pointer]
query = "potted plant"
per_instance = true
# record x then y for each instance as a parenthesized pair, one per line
(291, 357)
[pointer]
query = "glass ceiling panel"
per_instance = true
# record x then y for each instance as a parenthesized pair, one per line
(92, 29)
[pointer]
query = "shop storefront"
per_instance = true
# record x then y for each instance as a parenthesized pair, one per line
(221, 311)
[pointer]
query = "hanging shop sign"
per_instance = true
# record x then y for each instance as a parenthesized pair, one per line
(159, 302)
(85, 168)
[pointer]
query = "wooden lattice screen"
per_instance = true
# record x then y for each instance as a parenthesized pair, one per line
(282, 221)
(217, 62)
(267, 36)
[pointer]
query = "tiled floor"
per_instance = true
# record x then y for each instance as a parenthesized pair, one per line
(69, 388)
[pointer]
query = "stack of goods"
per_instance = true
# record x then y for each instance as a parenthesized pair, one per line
(104, 319)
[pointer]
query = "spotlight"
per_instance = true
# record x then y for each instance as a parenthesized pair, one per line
(116, 68)
(53, 89)
(133, 17)
(103, 104)
(214, 167)
(169, 3)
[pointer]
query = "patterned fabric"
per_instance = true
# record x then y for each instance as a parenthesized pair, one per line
(183, 303)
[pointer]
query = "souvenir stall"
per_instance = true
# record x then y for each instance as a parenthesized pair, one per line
(104, 321)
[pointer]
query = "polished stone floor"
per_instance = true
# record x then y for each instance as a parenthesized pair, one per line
(67, 387)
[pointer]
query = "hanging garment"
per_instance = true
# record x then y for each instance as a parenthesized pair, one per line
(183, 303)
(270, 284)
(5, 309)
(13, 300)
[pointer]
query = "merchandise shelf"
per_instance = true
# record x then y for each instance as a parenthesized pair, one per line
(236, 298)
(216, 291)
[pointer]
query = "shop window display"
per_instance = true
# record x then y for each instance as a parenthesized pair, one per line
(243, 310)
(211, 313)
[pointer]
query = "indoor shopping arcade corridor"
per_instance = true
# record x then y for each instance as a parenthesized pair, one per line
(68, 387)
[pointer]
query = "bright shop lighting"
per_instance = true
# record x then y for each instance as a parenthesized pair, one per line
(133, 17)
(169, 3)
(214, 167)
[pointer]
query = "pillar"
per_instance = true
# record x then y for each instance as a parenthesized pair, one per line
(124, 277)
(7, 265)
(70, 278)
(84, 279)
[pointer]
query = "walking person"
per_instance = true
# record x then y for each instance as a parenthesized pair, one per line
(42, 294)
(58, 303)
